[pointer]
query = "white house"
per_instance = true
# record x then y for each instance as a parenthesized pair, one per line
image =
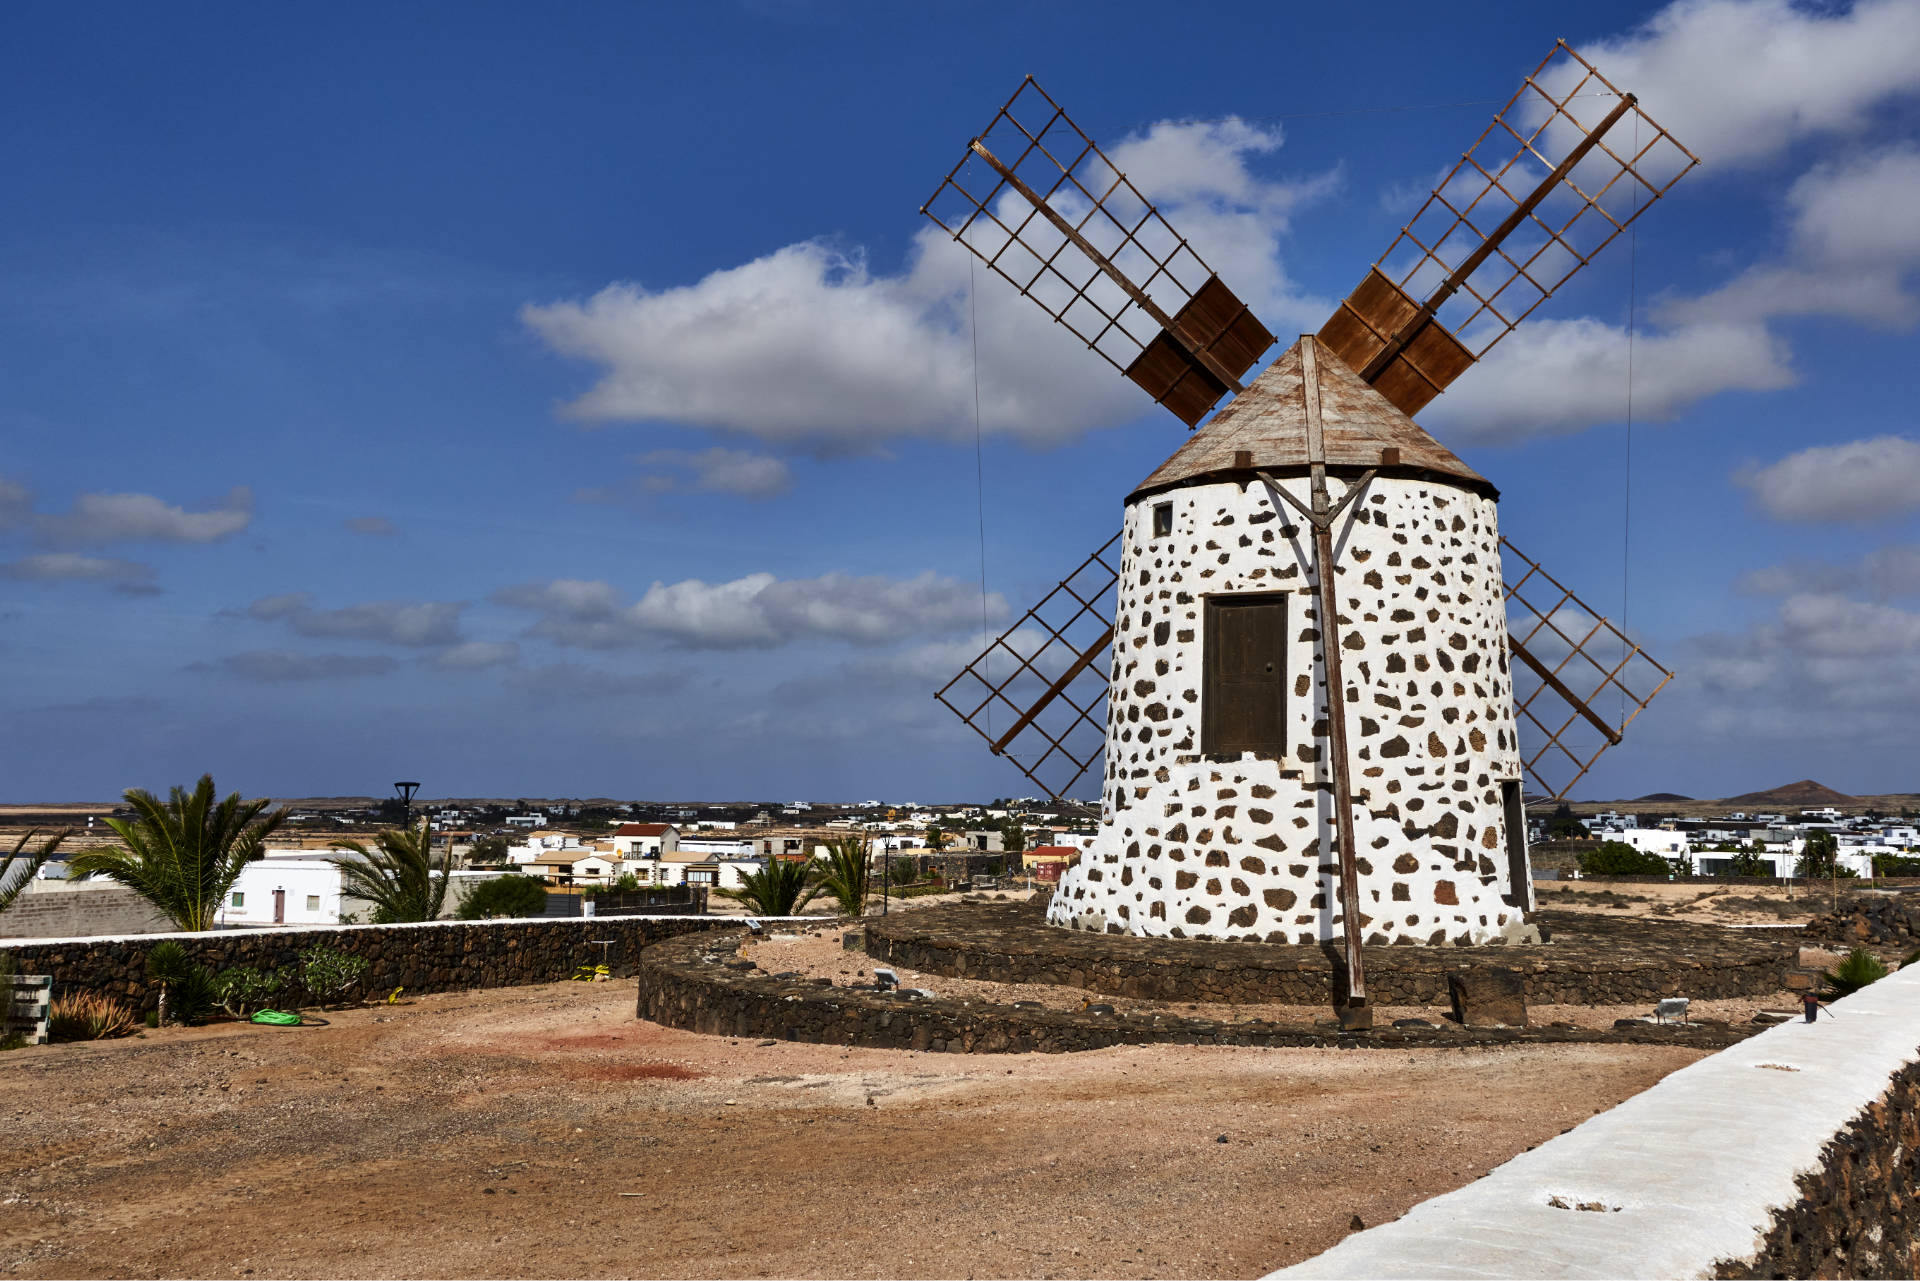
(526, 820)
(645, 840)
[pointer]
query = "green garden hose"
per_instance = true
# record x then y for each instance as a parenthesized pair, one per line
(279, 1018)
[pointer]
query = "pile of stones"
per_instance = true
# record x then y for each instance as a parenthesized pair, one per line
(1889, 919)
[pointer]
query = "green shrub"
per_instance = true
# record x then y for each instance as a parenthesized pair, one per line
(87, 1016)
(1895, 865)
(509, 896)
(1617, 858)
(1859, 969)
(242, 990)
(329, 974)
(192, 996)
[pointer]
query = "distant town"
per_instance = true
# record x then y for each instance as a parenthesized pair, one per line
(578, 847)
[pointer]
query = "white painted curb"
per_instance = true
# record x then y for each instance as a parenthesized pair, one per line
(1690, 1172)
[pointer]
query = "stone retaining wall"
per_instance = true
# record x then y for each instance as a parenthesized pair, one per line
(1592, 960)
(700, 985)
(1858, 1215)
(435, 956)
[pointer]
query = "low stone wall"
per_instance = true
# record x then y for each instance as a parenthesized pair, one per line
(434, 956)
(1793, 1154)
(701, 985)
(1592, 960)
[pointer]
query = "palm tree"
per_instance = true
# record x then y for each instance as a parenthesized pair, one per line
(183, 854)
(1859, 969)
(781, 888)
(19, 867)
(397, 875)
(849, 872)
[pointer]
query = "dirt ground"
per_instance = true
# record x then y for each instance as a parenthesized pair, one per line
(538, 1132)
(815, 953)
(1751, 905)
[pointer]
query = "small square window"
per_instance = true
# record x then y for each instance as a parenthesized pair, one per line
(313, 902)
(1162, 520)
(239, 899)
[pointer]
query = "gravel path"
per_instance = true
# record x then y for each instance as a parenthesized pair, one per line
(536, 1132)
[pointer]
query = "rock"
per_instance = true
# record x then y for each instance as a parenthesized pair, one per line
(1221, 1139)
(1421, 1023)
(1490, 997)
(1356, 1224)
(1635, 1023)
(854, 940)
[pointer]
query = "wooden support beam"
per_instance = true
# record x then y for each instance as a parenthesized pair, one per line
(1336, 684)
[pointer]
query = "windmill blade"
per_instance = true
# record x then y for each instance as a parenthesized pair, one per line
(1038, 202)
(1564, 168)
(1038, 694)
(1578, 682)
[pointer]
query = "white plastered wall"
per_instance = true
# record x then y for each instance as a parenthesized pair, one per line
(1197, 846)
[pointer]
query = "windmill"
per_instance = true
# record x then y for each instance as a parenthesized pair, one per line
(1258, 706)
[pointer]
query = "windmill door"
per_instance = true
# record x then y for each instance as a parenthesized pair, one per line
(1243, 695)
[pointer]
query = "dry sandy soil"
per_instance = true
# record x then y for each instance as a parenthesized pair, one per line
(543, 1131)
(1756, 904)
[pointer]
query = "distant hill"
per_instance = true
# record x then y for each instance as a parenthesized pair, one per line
(1806, 794)
(1661, 796)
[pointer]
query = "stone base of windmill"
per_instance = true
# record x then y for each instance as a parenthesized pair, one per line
(1591, 960)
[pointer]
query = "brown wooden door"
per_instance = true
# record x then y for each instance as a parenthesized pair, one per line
(279, 907)
(1243, 695)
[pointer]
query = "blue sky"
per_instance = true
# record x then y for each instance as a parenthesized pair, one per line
(539, 400)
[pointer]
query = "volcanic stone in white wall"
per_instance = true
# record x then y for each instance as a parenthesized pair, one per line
(1244, 848)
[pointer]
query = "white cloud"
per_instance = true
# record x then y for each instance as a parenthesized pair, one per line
(72, 567)
(473, 656)
(755, 611)
(377, 526)
(390, 622)
(1553, 377)
(1738, 81)
(809, 346)
(1858, 482)
(724, 471)
(99, 519)
(16, 503)
(1825, 669)
(279, 665)
(1886, 573)
(575, 683)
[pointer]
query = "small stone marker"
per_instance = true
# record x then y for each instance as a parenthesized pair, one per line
(1491, 997)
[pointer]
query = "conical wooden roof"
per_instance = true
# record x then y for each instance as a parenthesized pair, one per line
(1269, 421)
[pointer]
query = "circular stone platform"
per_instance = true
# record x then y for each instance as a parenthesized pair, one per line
(1590, 960)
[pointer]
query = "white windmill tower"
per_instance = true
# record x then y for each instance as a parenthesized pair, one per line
(1292, 755)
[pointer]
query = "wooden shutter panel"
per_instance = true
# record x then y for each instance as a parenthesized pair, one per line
(1243, 707)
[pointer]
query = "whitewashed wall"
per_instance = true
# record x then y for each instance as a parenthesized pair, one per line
(1196, 847)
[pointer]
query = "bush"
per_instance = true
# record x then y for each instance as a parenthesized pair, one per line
(504, 896)
(1895, 865)
(243, 989)
(329, 974)
(1617, 858)
(87, 1016)
(1859, 969)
